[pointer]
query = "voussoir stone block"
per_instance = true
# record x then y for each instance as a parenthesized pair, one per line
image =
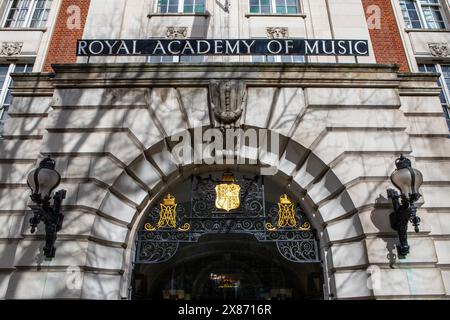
(259, 104)
(195, 102)
(118, 209)
(337, 207)
(145, 172)
(104, 257)
(310, 169)
(166, 107)
(107, 230)
(288, 107)
(142, 125)
(290, 158)
(129, 188)
(345, 229)
(348, 255)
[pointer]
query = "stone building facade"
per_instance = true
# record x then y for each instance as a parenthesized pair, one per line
(342, 122)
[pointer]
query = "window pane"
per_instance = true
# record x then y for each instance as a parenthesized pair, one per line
(192, 59)
(17, 14)
(433, 17)
(40, 14)
(19, 68)
(444, 81)
(168, 6)
(410, 14)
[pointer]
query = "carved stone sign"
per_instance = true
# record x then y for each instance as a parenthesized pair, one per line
(11, 48)
(439, 49)
(178, 47)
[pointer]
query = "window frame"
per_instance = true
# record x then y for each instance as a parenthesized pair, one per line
(424, 23)
(273, 8)
(445, 89)
(7, 83)
(278, 59)
(180, 9)
(26, 24)
(175, 59)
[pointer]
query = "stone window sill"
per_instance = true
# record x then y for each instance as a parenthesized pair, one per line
(426, 30)
(24, 29)
(298, 15)
(178, 14)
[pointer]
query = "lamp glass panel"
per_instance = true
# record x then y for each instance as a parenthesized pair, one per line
(47, 181)
(402, 180)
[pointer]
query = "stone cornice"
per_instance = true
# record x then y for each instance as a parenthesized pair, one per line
(254, 74)
(32, 84)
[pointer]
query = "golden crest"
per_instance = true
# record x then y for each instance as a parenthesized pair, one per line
(167, 216)
(227, 196)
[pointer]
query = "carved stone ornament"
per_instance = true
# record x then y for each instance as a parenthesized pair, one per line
(11, 48)
(228, 98)
(176, 32)
(439, 49)
(277, 32)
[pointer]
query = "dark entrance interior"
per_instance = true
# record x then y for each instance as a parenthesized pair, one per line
(228, 267)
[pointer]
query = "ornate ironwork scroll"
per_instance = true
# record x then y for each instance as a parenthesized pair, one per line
(177, 223)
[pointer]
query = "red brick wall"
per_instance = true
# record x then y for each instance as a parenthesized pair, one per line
(386, 41)
(62, 47)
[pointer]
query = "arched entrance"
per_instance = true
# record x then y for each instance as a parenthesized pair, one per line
(227, 236)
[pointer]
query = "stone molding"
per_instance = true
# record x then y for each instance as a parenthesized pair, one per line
(11, 48)
(439, 49)
(176, 32)
(277, 32)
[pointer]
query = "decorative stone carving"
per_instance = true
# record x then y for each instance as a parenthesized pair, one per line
(176, 32)
(439, 49)
(228, 98)
(11, 48)
(277, 32)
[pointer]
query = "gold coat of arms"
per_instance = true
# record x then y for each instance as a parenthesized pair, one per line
(227, 196)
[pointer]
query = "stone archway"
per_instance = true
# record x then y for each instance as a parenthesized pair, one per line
(299, 171)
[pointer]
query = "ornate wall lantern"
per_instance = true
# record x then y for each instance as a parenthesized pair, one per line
(42, 181)
(408, 181)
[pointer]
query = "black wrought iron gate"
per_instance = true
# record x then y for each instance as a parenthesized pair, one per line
(221, 206)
